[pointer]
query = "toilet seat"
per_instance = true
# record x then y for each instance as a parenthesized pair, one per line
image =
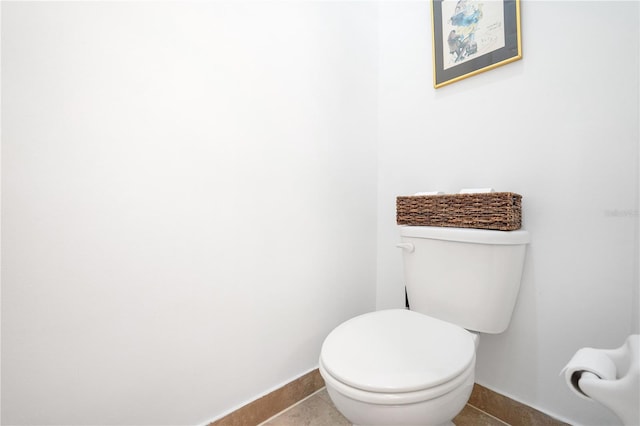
(418, 354)
(398, 398)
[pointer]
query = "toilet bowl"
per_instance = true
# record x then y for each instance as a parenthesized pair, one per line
(398, 367)
(610, 377)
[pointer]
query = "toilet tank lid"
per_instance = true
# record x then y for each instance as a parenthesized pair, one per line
(467, 235)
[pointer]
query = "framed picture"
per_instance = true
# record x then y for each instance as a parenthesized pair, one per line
(473, 36)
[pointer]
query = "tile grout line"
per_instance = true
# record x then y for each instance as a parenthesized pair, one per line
(291, 406)
(488, 414)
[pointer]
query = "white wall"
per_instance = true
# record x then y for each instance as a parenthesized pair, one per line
(188, 197)
(559, 127)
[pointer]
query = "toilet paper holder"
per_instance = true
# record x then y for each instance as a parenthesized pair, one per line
(610, 377)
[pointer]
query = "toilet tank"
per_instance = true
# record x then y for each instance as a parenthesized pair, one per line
(469, 277)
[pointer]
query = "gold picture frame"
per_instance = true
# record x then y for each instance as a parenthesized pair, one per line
(473, 36)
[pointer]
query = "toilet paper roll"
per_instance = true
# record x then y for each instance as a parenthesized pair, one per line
(476, 190)
(429, 193)
(588, 360)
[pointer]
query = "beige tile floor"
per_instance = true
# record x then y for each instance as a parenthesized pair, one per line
(318, 410)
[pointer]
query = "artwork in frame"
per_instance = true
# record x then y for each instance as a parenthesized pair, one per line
(473, 36)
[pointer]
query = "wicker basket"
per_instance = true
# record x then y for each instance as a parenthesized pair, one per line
(494, 210)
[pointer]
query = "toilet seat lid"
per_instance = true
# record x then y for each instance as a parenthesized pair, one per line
(397, 350)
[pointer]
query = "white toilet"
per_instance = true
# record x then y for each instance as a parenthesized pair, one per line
(416, 367)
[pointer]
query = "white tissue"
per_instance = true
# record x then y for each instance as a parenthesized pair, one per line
(429, 193)
(588, 360)
(476, 190)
